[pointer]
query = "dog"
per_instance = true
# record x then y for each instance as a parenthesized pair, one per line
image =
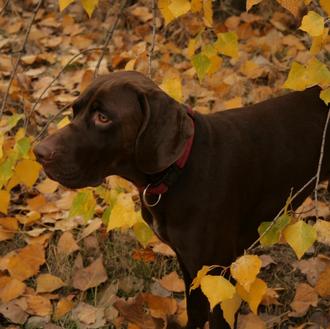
(206, 181)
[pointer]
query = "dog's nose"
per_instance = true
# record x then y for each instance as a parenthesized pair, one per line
(43, 153)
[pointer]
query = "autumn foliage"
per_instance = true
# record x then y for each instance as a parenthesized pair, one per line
(86, 258)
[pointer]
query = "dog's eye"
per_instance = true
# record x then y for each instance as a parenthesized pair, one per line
(101, 118)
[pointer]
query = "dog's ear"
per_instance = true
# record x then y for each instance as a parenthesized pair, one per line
(165, 129)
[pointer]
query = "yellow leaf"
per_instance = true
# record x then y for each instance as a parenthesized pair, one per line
(200, 275)
(251, 3)
(300, 236)
(325, 4)
(245, 269)
(172, 85)
(4, 201)
(317, 73)
(196, 5)
(293, 6)
(325, 96)
(208, 13)
(64, 3)
(27, 171)
(166, 12)
(319, 41)
(307, 2)
(216, 289)
(313, 24)
(233, 103)
(215, 61)
(89, 6)
(297, 77)
(48, 283)
(192, 45)
(179, 7)
(63, 307)
(227, 44)
(2, 139)
(10, 288)
(65, 121)
(253, 297)
(122, 214)
(130, 65)
(229, 308)
(8, 227)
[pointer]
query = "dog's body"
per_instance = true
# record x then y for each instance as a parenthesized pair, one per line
(241, 169)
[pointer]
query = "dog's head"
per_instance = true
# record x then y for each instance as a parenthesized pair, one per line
(123, 124)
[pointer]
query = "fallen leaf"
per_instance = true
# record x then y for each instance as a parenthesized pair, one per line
(64, 306)
(323, 283)
(47, 186)
(90, 276)
(67, 244)
(48, 283)
(13, 312)
(313, 24)
(10, 288)
(38, 305)
(172, 282)
(322, 229)
(305, 297)
(26, 262)
(250, 321)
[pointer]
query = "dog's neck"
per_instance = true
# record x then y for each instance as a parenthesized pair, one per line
(159, 183)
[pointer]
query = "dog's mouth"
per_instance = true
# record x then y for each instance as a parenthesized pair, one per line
(72, 178)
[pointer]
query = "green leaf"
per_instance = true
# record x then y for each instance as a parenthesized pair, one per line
(201, 64)
(23, 146)
(106, 216)
(142, 232)
(300, 236)
(274, 233)
(6, 169)
(9, 122)
(83, 205)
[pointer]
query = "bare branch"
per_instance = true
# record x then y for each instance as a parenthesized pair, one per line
(109, 37)
(4, 7)
(318, 173)
(20, 53)
(51, 120)
(280, 213)
(152, 46)
(72, 59)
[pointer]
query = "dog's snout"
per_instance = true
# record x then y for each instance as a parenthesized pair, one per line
(43, 153)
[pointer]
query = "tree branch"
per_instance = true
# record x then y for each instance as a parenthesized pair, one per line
(152, 46)
(318, 173)
(20, 53)
(109, 37)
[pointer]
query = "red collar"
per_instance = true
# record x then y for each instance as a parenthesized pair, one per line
(171, 174)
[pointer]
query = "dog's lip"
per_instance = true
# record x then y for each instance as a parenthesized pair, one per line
(73, 181)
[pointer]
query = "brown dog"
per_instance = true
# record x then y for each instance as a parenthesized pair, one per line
(208, 180)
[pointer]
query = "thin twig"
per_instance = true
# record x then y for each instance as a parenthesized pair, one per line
(73, 58)
(153, 40)
(109, 37)
(4, 7)
(51, 120)
(318, 173)
(280, 213)
(20, 53)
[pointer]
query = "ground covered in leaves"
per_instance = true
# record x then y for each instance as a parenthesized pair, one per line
(60, 268)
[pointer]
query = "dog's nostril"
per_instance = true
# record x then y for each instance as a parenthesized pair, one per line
(43, 153)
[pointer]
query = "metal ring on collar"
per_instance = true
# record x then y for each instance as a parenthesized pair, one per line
(145, 201)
